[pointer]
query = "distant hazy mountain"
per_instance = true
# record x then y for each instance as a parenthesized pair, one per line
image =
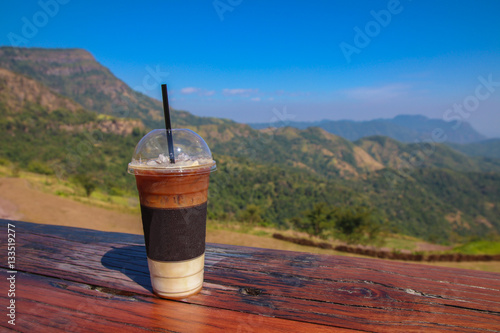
(487, 148)
(404, 128)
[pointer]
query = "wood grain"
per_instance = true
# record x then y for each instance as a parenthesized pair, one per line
(343, 292)
(50, 304)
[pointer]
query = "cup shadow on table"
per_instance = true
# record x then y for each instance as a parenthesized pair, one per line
(130, 260)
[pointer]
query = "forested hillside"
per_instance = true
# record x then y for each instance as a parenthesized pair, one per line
(58, 115)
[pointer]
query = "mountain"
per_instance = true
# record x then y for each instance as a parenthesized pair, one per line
(401, 156)
(75, 73)
(427, 190)
(19, 93)
(17, 90)
(313, 150)
(487, 148)
(404, 128)
(45, 132)
(328, 155)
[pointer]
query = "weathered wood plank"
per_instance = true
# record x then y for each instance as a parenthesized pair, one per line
(130, 261)
(55, 305)
(366, 294)
(357, 305)
(439, 285)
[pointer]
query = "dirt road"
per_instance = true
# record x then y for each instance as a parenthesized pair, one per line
(18, 200)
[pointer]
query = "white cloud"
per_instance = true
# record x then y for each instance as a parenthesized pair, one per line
(199, 91)
(381, 93)
(255, 99)
(239, 91)
(189, 90)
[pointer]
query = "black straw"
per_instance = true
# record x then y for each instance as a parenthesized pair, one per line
(168, 125)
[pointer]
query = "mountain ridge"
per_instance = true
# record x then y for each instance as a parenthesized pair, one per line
(404, 128)
(17, 89)
(18, 92)
(489, 148)
(75, 74)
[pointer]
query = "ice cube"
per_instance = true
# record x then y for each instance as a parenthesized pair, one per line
(162, 159)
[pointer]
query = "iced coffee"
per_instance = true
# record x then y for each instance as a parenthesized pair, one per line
(173, 198)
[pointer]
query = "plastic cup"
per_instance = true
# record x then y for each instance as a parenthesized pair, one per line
(173, 200)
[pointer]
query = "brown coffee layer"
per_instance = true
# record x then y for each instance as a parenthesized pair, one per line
(173, 190)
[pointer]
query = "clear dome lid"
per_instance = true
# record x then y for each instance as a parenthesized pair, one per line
(190, 150)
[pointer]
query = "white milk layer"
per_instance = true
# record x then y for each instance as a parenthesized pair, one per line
(177, 279)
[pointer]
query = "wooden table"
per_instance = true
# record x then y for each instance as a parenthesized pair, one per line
(78, 280)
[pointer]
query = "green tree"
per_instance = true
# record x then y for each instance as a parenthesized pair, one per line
(252, 214)
(39, 167)
(354, 224)
(16, 170)
(317, 221)
(357, 225)
(87, 182)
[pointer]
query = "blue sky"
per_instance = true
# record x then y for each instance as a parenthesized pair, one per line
(256, 61)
